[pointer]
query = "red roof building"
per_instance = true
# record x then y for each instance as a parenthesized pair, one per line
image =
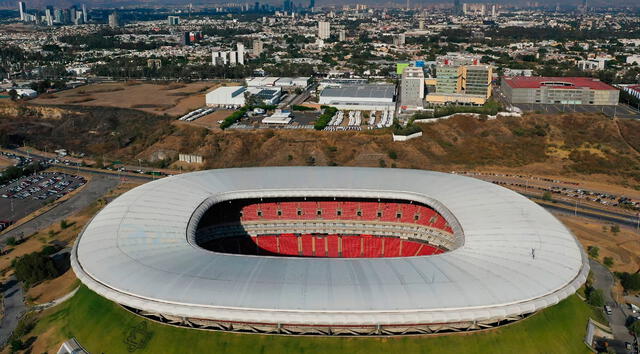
(559, 90)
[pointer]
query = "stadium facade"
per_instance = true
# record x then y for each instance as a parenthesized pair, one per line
(328, 251)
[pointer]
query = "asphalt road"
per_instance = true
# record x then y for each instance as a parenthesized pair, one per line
(14, 307)
(94, 189)
(603, 280)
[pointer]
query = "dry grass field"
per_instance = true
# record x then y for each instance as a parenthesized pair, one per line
(5, 162)
(174, 99)
(623, 246)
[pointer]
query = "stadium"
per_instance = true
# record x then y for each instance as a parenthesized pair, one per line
(328, 251)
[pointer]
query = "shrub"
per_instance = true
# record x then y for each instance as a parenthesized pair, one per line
(64, 224)
(594, 297)
(635, 327)
(594, 251)
(608, 261)
(615, 228)
(234, 117)
(296, 107)
(325, 118)
(547, 196)
(393, 155)
(49, 250)
(491, 107)
(11, 241)
(410, 128)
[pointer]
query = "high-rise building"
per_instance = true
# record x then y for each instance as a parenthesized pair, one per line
(494, 12)
(342, 35)
(173, 20)
(324, 29)
(258, 48)
(23, 9)
(457, 8)
(48, 15)
(240, 53)
(399, 39)
(421, 25)
(287, 5)
(412, 87)
(58, 16)
(85, 15)
(113, 20)
(312, 4)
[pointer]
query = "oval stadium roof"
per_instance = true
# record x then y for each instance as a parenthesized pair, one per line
(136, 252)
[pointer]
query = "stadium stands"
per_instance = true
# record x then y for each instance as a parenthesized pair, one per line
(346, 210)
(249, 213)
(334, 246)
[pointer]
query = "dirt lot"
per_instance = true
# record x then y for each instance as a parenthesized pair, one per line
(5, 162)
(210, 121)
(623, 247)
(174, 99)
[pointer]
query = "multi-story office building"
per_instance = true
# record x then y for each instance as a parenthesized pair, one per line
(559, 90)
(412, 87)
(462, 84)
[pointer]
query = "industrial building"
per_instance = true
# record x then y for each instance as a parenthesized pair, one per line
(360, 97)
(235, 96)
(412, 87)
(462, 84)
(559, 90)
(302, 81)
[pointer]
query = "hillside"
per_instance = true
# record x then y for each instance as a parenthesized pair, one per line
(570, 144)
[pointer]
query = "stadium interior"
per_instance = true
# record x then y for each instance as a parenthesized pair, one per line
(324, 227)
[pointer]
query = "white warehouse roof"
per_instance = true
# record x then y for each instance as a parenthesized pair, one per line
(138, 252)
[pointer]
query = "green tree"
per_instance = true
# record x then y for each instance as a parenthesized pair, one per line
(33, 268)
(594, 251)
(547, 196)
(393, 155)
(630, 281)
(608, 261)
(13, 94)
(615, 229)
(635, 327)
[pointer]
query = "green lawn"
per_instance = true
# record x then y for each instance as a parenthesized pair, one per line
(103, 327)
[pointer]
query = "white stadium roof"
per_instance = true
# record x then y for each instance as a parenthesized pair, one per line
(138, 252)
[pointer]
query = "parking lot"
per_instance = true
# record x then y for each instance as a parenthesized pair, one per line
(619, 111)
(22, 196)
(20, 161)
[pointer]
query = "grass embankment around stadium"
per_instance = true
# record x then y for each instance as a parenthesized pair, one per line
(102, 326)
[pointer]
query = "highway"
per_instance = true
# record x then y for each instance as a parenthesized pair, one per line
(558, 206)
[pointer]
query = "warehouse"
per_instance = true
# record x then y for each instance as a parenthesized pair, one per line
(559, 90)
(234, 96)
(360, 97)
